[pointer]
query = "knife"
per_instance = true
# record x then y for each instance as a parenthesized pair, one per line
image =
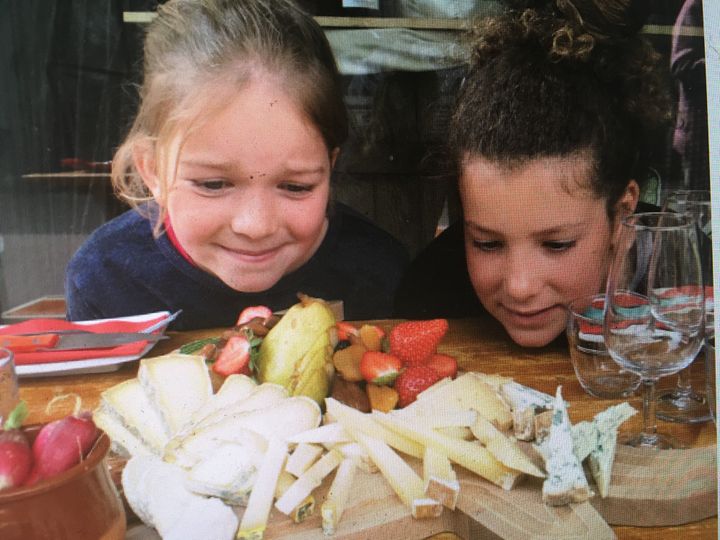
(53, 341)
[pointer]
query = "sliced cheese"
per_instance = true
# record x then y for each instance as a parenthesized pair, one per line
(229, 470)
(466, 392)
(156, 492)
(585, 439)
(128, 403)
(334, 506)
(178, 385)
(504, 449)
(124, 442)
(603, 455)
(353, 420)
(470, 455)
(439, 478)
(255, 518)
(307, 482)
(263, 396)
(332, 433)
(303, 456)
(289, 416)
(565, 482)
(235, 388)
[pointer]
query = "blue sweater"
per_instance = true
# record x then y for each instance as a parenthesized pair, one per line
(122, 269)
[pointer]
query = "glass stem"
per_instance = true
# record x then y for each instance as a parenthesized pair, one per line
(649, 432)
(684, 386)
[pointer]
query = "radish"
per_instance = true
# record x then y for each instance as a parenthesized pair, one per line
(61, 444)
(15, 455)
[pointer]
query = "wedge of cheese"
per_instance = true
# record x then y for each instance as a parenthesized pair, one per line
(565, 482)
(601, 457)
(129, 406)
(122, 440)
(178, 385)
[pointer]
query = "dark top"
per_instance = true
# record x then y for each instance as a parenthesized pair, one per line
(122, 269)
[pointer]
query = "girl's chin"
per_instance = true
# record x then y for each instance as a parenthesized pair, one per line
(538, 338)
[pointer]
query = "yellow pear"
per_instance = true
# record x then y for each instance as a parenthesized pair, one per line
(297, 352)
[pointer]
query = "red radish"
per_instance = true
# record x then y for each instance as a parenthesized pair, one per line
(15, 456)
(61, 445)
(251, 312)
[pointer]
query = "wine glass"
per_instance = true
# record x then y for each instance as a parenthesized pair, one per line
(684, 403)
(646, 331)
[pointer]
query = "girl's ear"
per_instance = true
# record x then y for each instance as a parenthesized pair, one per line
(333, 156)
(145, 165)
(628, 201)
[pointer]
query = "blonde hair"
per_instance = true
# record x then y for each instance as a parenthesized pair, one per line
(193, 44)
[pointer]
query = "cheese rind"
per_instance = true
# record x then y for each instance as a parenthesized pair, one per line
(178, 385)
(128, 403)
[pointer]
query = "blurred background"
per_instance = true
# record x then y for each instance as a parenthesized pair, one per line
(70, 69)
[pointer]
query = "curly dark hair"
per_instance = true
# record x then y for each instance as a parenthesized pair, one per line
(553, 78)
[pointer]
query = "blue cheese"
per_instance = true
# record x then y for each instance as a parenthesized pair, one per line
(601, 458)
(585, 439)
(565, 482)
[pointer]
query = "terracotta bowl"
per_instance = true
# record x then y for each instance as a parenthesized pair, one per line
(81, 503)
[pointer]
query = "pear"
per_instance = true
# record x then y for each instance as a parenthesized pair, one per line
(297, 352)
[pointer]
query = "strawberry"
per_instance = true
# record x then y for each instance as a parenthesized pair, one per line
(379, 367)
(345, 330)
(251, 312)
(234, 357)
(414, 341)
(443, 364)
(412, 381)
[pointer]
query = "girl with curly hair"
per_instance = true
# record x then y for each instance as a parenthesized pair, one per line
(549, 135)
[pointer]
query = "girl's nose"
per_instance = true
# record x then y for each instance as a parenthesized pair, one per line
(522, 277)
(255, 216)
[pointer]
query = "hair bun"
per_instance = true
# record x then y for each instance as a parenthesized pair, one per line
(606, 19)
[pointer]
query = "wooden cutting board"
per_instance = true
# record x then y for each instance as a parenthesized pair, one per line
(648, 488)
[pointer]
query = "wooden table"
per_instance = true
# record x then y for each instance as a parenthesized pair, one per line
(478, 345)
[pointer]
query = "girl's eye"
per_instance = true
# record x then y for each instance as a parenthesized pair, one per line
(296, 188)
(487, 245)
(559, 246)
(211, 185)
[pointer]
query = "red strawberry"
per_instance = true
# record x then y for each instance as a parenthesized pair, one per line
(345, 330)
(412, 381)
(379, 367)
(414, 341)
(234, 357)
(443, 364)
(249, 313)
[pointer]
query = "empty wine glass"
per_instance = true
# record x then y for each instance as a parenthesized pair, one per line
(684, 403)
(646, 330)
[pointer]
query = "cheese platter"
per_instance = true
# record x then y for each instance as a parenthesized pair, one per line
(472, 453)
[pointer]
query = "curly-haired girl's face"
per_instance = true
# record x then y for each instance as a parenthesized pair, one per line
(536, 237)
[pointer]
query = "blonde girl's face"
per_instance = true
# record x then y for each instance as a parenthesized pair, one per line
(535, 239)
(249, 200)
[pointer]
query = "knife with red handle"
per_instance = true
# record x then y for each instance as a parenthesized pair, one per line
(74, 340)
